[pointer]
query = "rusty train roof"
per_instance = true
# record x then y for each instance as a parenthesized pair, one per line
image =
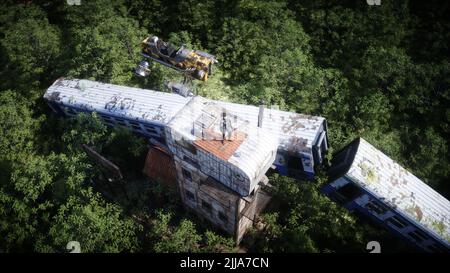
(400, 189)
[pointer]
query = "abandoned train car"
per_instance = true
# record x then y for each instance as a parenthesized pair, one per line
(145, 112)
(220, 151)
(221, 164)
(366, 180)
(302, 139)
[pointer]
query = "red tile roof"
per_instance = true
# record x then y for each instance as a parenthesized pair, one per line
(223, 151)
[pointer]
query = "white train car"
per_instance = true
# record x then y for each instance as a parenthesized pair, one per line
(145, 112)
(366, 180)
(363, 178)
(302, 139)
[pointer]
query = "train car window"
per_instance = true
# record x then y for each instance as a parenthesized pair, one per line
(136, 127)
(104, 116)
(223, 217)
(151, 129)
(347, 193)
(187, 174)
(190, 195)
(191, 161)
(323, 145)
(108, 121)
(206, 206)
(121, 122)
(295, 163)
(397, 222)
(376, 207)
(418, 235)
(70, 111)
(188, 146)
(319, 149)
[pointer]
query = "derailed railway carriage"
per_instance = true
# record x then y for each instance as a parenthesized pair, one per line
(366, 180)
(221, 151)
(145, 112)
(302, 139)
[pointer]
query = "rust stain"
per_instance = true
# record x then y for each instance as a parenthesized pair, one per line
(55, 96)
(418, 212)
(292, 124)
(296, 144)
(160, 165)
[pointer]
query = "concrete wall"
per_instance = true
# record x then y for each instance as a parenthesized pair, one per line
(198, 187)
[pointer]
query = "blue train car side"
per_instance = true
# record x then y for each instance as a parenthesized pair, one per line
(302, 139)
(365, 180)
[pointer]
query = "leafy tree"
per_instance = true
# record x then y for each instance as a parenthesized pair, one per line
(97, 225)
(29, 46)
(90, 13)
(372, 71)
(181, 238)
(310, 222)
(18, 126)
(85, 129)
(106, 52)
(23, 203)
(125, 149)
(278, 237)
(217, 244)
(428, 159)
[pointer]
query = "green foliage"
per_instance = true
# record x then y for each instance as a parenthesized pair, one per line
(29, 48)
(308, 221)
(170, 236)
(18, 126)
(96, 224)
(105, 52)
(170, 239)
(217, 244)
(125, 149)
(23, 203)
(427, 158)
(266, 51)
(376, 72)
(85, 129)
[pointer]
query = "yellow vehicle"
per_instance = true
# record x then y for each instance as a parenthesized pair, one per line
(194, 63)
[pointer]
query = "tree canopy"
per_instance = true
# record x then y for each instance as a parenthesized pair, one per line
(380, 72)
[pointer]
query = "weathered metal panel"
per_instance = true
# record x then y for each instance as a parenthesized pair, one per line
(295, 133)
(115, 100)
(400, 189)
(159, 165)
(248, 162)
(289, 132)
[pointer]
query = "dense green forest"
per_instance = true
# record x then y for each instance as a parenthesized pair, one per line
(380, 72)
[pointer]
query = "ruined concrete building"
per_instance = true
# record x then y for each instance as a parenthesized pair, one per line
(218, 152)
(221, 164)
(365, 180)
